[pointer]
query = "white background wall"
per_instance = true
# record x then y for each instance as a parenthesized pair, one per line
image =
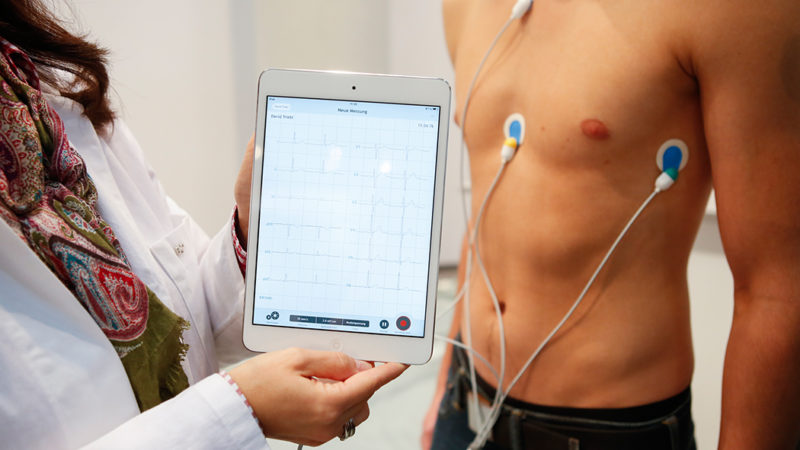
(185, 72)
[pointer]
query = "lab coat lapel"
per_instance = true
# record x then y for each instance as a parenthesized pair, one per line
(52, 346)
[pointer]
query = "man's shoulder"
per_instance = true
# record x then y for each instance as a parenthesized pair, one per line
(715, 24)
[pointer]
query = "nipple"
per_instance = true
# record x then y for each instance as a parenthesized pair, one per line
(595, 129)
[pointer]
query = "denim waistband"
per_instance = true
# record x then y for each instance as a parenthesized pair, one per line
(641, 414)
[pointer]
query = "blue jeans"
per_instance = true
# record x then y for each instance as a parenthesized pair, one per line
(523, 426)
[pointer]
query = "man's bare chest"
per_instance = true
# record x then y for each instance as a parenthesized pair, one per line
(591, 81)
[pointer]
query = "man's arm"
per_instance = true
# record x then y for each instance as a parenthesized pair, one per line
(429, 422)
(454, 12)
(747, 60)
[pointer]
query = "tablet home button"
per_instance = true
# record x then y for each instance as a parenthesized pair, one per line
(336, 345)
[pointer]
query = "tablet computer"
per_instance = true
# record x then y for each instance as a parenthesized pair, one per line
(346, 213)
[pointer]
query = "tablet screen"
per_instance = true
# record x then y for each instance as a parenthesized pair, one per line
(346, 214)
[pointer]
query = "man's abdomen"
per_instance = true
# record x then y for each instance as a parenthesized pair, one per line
(629, 341)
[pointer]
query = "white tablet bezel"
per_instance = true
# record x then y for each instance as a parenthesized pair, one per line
(348, 87)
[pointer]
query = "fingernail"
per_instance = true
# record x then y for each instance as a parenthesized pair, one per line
(362, 365)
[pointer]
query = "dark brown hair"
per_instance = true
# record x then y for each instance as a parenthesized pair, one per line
(29, 25)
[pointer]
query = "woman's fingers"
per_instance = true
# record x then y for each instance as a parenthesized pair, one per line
(330, 365)
(362, 385)
(361, 415)
(293, 406)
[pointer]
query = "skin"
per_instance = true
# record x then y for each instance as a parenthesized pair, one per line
(602, 84)
(293, 403)
(241, 191)
(595, 129)
(298, 395)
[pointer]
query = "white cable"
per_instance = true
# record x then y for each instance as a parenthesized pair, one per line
(468, 334)
(495, 302)
(451, 306)
(520, 8)
(464, 157)
(482, 436)
(465, 108)
(468, 325)
(469, 349)
(465, 290)
(500, 395)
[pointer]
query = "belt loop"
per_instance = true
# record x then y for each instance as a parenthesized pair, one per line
(458, 389)
(460, 379)
(672, 425)
(515, 430)
(574, 444)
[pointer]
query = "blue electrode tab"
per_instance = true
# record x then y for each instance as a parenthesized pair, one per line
(672, 157)
(515, 130)
(514, 126)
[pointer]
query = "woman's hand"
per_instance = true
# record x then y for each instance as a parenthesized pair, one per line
(292, 402)
(241, 190)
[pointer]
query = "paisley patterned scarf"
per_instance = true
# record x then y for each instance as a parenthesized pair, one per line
(48, 199)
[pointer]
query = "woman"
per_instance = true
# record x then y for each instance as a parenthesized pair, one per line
(116, 309)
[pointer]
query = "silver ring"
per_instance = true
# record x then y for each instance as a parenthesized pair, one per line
(348, 429)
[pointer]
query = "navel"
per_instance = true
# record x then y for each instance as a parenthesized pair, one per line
(595, 129)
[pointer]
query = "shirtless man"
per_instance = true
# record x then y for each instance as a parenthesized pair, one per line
(601, 85)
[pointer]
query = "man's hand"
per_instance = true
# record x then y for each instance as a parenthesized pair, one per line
(241, 189)
(293, 404)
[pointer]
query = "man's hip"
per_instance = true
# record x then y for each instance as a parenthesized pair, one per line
(663, 425)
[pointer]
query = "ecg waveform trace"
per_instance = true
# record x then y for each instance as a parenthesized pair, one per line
(346, 214)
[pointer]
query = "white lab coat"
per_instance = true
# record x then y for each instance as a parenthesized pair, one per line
(63, 385)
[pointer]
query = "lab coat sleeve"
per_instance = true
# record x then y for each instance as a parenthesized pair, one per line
(225, 297)
(217, 279)
(222, 285)
(208, 415)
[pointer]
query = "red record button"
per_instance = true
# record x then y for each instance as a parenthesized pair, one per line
(403, 323)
